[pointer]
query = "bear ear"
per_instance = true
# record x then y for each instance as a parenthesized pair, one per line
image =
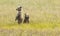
(26, 14)
(20, 6)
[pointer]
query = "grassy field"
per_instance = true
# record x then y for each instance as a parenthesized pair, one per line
(44, 18)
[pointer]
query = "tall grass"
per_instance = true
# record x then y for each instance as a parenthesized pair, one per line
(40, 11)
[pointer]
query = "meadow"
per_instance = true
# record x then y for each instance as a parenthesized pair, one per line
(44, 18)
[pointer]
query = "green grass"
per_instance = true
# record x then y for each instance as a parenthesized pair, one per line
(44, 14)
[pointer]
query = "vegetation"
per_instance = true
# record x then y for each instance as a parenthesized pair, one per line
(44, 18)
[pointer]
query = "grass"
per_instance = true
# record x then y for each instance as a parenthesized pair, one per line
(30, 26)
(44, 16)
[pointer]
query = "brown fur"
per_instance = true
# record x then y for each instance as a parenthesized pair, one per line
(18, 17)
(26, 19)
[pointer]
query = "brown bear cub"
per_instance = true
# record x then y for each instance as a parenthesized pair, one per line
(26, 18)
(18, 17)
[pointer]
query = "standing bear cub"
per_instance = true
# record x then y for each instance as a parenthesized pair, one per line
(18, 17)
(26, 18)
